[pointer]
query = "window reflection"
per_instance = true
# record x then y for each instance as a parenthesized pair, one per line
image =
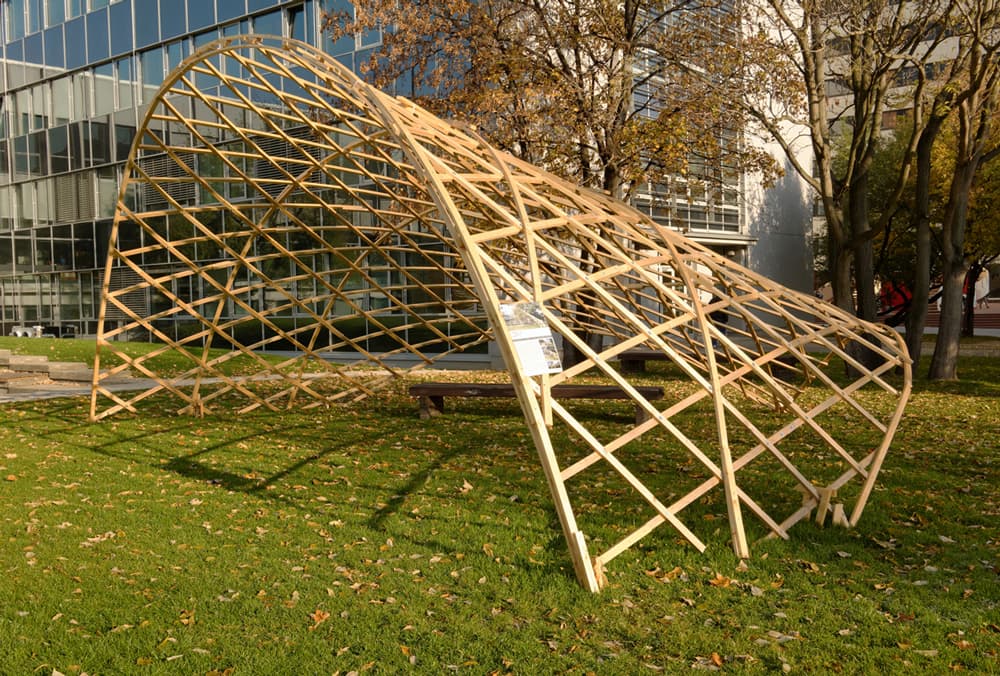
(123, 141)
(147, 28)
(56, 11)
(59, 149)
(152, 72)
(55, 55)
(104, 89)
(98, 45)
(120, 16)
(15, 19)
(76, 43)
(171, 19)
(126, 82)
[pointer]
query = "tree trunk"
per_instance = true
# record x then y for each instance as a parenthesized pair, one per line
(944, 363)
(969, 314)
(840, 277)
(861, 243)
(916, 319)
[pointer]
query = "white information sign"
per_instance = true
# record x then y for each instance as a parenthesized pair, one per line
(533, 341)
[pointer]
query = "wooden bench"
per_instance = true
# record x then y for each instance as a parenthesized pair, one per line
(431, 395)
(634, 360)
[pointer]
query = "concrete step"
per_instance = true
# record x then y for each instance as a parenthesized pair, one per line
(71, 371)
(30, 363)
(11, 381)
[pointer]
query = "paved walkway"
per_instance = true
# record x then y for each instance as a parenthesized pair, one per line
(73, 380)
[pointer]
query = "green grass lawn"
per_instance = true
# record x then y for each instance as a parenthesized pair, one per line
(365, 540)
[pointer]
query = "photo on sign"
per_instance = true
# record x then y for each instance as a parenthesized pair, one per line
(533, 341)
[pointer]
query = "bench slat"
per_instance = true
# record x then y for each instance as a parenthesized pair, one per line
(431, 395)
(501, 390)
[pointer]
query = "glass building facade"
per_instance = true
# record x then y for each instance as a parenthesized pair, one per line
(77, 79)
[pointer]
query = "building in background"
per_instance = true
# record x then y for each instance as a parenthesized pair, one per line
(77, 78)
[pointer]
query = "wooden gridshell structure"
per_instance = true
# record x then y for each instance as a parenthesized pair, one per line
(286, 204)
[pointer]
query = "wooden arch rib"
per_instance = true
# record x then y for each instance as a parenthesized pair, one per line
(273, 200)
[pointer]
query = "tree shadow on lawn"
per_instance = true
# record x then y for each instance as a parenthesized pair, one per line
(477, 442)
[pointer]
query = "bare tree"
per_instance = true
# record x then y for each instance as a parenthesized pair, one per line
(851, 51)
(976, 99)
(614, 94)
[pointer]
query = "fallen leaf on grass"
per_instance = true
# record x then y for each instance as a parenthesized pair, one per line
(318, 617)
(720, 580)
(466, 487)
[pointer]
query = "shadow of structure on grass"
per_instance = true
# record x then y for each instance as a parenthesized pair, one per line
(369, 231)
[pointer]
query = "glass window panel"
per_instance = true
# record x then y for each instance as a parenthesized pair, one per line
(15, 54)
(6, 261)
(61, 100)
(75, 8)
(152, 72)
(25, 197)
(203, 80)
(176, 52)
(40, 106)
(83, 237)
(34, 52)
(62, 246)
(124, 135)
(104, 89)
(34, 16)
(15, 19)
(147, 30)
(97, 4)
(37, 155)
(100, 142)
(22, 263)
(267, 24)
(76, 43)
(81, 96)
(231, 9)
(171, 19)
(22, 111)
(203, 39)
(98, 44)
(56, 11)
(45, 209)
(126, 82)
(59, 149)
(4, 163)
(107, 191)
(20, 157)
(55, 55)
(297, 24)
(120, 16)
(200, 14)
(79, 154)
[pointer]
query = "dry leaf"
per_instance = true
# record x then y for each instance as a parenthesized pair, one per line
(318, 617)
(720, 580)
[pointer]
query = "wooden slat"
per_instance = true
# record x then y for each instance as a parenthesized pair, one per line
(333, 206)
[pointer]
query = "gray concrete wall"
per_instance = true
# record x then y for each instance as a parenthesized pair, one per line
(780, 220)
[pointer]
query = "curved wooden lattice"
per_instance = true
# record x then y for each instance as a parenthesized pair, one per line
(287, 205)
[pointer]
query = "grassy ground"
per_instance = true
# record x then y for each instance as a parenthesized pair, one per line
(365, 540)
